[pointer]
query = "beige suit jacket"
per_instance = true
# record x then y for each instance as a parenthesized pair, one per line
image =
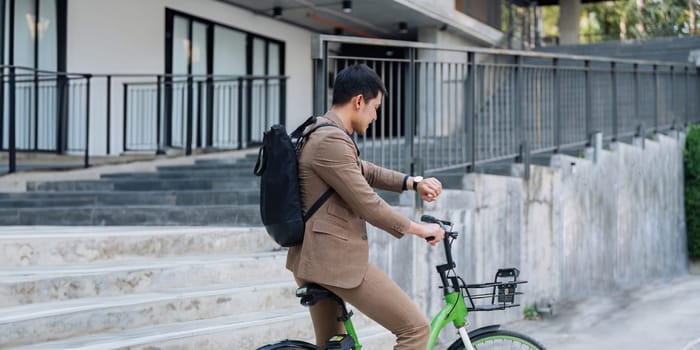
(335, 250)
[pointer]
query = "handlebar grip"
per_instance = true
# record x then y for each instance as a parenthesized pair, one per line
(429, 219)
(432, 220)
(429, 238)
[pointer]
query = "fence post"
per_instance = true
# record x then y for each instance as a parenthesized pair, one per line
(125, 124)
(36, 104)
(411, 99)
(199, 114)
(87, 120)
(109, 113)
(249, 110)
(469, 107)
(524, 151)
(557, 105)
(12, 137)
(589, 102)
(687, 96)
(321, 77)
(159, 140)
(240, 113)
(210, 113)
(656, 100)
(283, 101)
(190, 112)
(673, 98)
(615, 117)
(636, 93)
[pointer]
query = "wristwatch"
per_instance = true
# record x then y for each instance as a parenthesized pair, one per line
(416, 180)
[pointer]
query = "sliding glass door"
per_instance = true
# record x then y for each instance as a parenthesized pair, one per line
(31, 37)
(229, 108)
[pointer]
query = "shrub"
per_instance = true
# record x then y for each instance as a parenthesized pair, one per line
(691, 157)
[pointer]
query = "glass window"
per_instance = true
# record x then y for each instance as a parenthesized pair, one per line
(181, 45)
(229, 51)
(258, 57)
(48, 35)
(25, 17)
(273, 57)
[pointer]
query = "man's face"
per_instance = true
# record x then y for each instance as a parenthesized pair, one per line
(366, 114)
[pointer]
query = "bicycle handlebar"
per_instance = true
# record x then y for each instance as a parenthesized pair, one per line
(442, 269)
(432, 220)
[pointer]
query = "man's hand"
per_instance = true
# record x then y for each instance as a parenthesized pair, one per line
(429, 189)
(432, 233)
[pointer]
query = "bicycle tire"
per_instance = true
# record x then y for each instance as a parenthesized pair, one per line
(497, 339)
(290, 345)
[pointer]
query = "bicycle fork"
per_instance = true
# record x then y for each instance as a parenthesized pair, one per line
(465, 337)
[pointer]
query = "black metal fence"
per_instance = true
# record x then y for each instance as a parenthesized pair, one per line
(44, 112)
(51, 112)
(451, 108)
(200, 112)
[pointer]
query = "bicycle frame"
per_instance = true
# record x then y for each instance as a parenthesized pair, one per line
(455, 311)
(350, 329)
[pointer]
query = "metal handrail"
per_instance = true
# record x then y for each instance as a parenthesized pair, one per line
(318, 41)
(45, 107)
(471, 106)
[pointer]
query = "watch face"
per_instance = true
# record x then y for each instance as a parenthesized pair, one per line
(416, 180)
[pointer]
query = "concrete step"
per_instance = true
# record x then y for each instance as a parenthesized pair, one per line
(54, 283)
(208, 167)
(129, 198)
(204, 215)
(250, 159)
(146, 185)
(248, 331)
(56, 246)
(184, 174)
(42, 322)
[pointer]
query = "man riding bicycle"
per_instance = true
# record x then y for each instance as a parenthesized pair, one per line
(335, 251)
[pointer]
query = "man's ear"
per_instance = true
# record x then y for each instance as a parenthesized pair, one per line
(357, 101)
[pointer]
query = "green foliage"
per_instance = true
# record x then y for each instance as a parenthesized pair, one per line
(550, 21)
(531, 313)
(630, 19)
(691, 158)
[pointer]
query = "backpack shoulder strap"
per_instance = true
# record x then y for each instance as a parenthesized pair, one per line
(329, 192)
(324, 197)
(298, 132)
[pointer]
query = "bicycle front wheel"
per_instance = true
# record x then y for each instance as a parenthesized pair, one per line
(500, 340)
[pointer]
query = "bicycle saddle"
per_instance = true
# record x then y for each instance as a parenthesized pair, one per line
(311, 293)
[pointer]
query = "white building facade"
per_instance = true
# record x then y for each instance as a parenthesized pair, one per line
(168, 74)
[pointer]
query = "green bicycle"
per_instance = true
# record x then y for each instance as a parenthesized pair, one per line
(502, 296)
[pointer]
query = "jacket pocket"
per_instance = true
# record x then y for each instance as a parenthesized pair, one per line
(329, 228)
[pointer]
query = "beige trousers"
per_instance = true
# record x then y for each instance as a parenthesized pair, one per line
(382, 300)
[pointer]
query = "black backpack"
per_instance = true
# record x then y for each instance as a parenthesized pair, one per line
(280, 201)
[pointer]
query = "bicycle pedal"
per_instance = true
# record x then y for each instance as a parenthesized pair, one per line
(340, 342)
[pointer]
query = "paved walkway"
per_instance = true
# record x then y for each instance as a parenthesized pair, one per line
(664, 315)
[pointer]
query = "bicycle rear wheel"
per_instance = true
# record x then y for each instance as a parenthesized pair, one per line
(500, 340)
(290, 345)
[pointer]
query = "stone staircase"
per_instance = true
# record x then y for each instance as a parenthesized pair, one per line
(86, 287)
(220, 192)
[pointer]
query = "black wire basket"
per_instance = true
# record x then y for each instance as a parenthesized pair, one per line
(497, 295)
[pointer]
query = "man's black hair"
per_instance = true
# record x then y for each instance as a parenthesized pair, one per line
(355, 80)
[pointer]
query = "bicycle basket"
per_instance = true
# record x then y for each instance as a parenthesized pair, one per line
(502, 292)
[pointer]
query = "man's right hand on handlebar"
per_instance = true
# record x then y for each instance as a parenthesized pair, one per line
(432, 233)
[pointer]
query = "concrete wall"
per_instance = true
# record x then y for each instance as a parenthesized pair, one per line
(577, 229)
(128, 36)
